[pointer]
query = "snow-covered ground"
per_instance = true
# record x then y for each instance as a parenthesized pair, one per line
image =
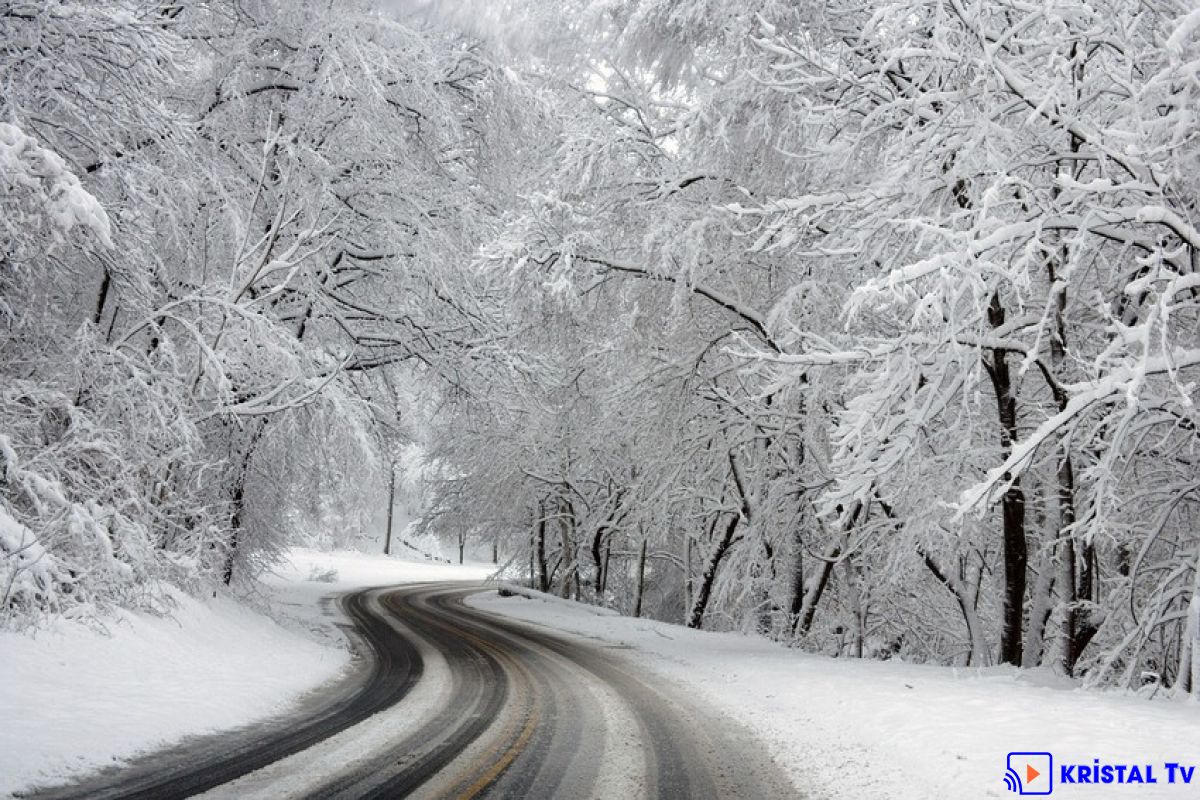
(865, 730)
(73, 699)
(344, 570)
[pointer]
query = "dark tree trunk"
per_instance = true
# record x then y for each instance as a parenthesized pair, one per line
(812, 598)
(238, 500)
(238, 503)
(604, 569)
(230, 556)
(387, 544)
(687, 572)
(598, 562)
(102, 298)
(1080, 623)
(709, 576)
(1012, 505)
(641, 580)
(543, 576)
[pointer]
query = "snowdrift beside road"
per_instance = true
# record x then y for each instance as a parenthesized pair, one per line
(862, 730)
(74, 699)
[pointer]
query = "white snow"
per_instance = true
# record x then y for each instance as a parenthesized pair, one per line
(354, 570)
(1185, 28)
(73, 698)
(866, 729)
(25, 163)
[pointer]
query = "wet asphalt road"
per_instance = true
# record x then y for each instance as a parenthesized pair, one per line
(449, 701)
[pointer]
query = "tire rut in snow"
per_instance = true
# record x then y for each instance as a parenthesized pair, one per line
(198, 765)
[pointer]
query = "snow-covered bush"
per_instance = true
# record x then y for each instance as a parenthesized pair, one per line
(103, 477)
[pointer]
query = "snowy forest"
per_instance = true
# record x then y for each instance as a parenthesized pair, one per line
(869, 326)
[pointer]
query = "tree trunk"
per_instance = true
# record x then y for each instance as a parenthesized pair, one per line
(532, 566)
(598, 563)
(238, 500)
(102, 297)
(980, 652)
(1081, 623)
(708, 577)
(1189, 662)
(387, 544)
(238, 503)
(604, 570)
(641, 579)
(566, 527)
(1081, 619)
(1078, 555)
(812, 597)
(796, 602)
(1041, 606)
(234, 536)
(857, 604)
(687, 571)
(543, 576)
(1012, 505)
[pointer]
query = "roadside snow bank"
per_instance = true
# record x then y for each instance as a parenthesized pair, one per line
(73, 700)
(864, 730)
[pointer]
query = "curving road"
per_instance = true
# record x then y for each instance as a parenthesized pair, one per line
(456, 702)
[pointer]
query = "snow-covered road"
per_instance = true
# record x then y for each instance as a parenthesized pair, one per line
(536, 696)
(509, 710)
(503, 710)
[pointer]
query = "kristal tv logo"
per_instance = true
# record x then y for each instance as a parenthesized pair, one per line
(1030, 773)
(1033, 773)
